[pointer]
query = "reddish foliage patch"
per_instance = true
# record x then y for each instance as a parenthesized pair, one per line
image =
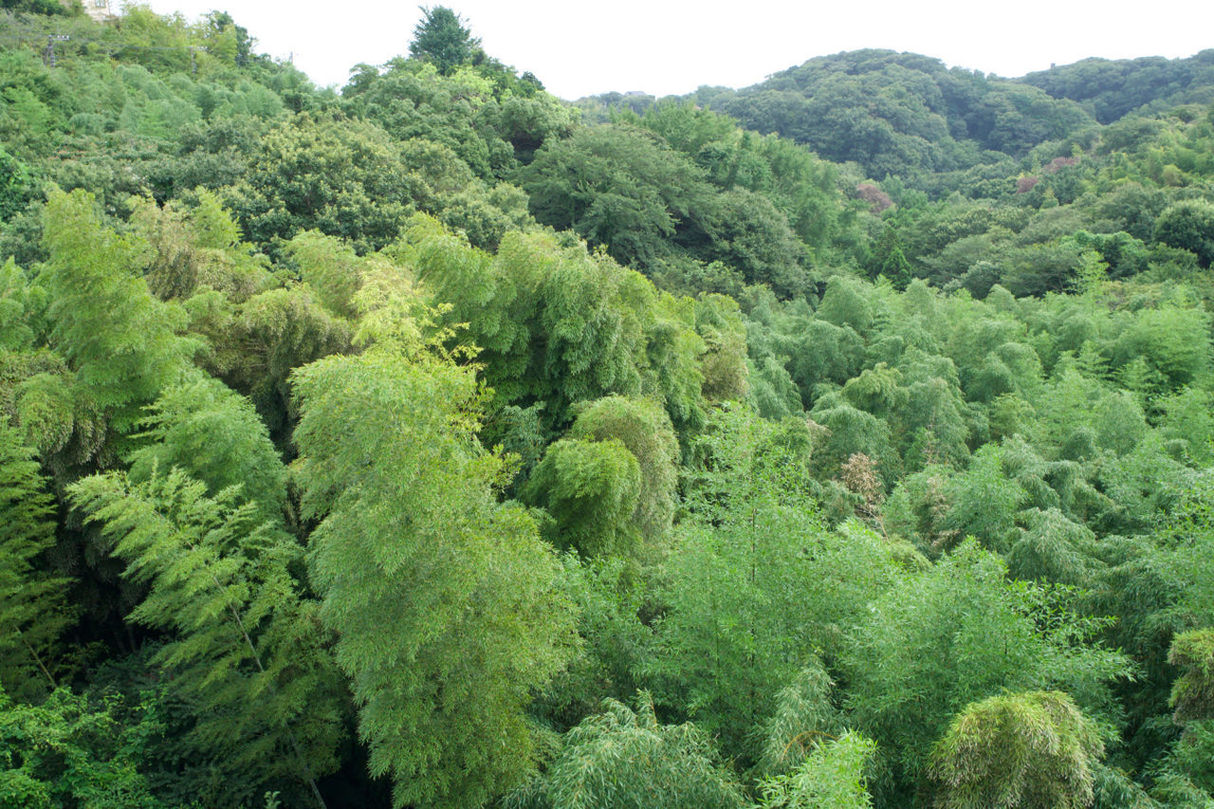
(877, 199)
(1059, 163)
(1025, 184)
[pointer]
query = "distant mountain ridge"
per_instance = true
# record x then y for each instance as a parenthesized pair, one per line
(905, 113)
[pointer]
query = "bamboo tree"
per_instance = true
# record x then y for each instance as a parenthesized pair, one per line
(833, 776)
(32, 603)
(244, 647)
(118, 340)
(1034, 750)
(442, 600)
(627, 759)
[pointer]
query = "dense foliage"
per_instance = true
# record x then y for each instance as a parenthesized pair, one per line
(840, 441)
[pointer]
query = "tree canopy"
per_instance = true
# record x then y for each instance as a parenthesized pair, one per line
(845, 440)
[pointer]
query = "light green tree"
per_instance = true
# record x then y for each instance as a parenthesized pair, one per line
(119, 341)
(443, 601)
(592, 490)
(833, 776)
(956, 634)
(643, 427)
(627, 759)
(1034, 750)
(756, 584)
(1193, 692)
(214, 434)
(244, 646)
(804, 717)
(983, 501)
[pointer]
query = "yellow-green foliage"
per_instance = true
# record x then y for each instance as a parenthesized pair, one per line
(833, 776)
(644, 429)
(119, 341)
(1032, 750)
(1193, 692)
(442, 601)
(592, 489)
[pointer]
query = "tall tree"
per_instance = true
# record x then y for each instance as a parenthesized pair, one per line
(443, 601)
(244, 646)
(956, 634)
(756, 585)
(32, 604)
(119, 341)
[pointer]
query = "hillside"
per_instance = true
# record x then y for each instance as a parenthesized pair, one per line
(1112, 89)
(904, 114)
(843, 440)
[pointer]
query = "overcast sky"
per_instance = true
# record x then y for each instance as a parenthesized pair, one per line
(579, 48)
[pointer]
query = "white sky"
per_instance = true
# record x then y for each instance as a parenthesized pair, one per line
(580, 48)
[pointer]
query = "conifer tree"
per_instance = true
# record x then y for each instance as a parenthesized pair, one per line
(441, 38)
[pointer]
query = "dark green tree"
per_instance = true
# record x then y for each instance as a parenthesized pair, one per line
(442, 39)
(1189, 225)
(33, 608)
(69, 752)
(343, 178)
(245, 648)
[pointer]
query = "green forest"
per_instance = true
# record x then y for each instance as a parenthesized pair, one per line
(841, 442)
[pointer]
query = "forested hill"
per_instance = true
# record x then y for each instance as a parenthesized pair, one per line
(1111, 89)
(843, 441)
(902, 113)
